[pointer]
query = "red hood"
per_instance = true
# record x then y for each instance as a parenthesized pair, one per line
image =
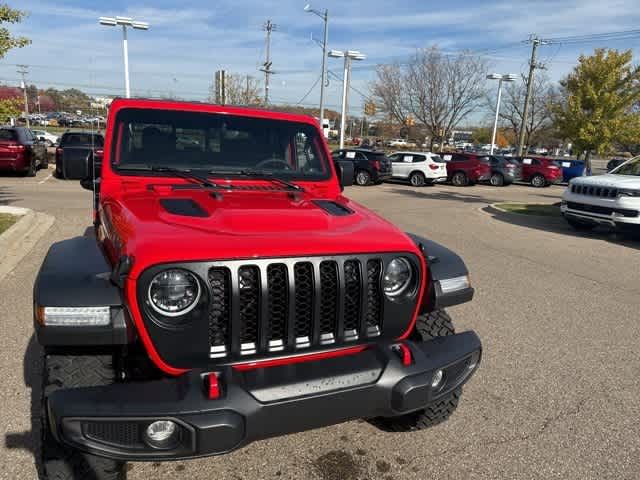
(242, 224)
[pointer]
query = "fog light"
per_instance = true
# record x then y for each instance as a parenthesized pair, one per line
(437, 378)
(162, 434)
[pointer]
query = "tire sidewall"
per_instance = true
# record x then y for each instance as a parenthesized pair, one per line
(363, 178)
(538, 181)
(497, 180)
(459, 179)
(419, 179)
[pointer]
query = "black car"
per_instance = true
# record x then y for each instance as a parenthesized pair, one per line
(21, 151)
(504, 170)
(369, 166)
(73, 150)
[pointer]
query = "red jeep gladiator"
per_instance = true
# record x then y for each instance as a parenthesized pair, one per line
(229, 292)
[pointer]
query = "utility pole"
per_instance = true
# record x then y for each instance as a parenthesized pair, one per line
(535, 41)
(246, 92)
(23, 70)
(266, 66)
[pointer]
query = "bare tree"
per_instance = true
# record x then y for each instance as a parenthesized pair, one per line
(240, 90)
(438, 89)
(389, 92)
(540, 116)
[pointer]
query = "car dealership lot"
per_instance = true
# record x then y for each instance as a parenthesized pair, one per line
(556, 395)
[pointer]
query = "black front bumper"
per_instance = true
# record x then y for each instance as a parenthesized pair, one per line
(111, 420)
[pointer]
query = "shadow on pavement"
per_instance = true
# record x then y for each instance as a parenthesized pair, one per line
(459, 195)
(559, 225)
(6, 196)
(32, 371)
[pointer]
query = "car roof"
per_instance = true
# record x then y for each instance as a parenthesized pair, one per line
(407, 152)
(142, 103)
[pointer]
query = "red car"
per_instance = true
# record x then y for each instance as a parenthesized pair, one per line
(466, 168)
(21, 151)
(540, 171)
(229, 292)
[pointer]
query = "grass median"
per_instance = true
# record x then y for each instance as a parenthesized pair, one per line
(537, 209)
(6, 221)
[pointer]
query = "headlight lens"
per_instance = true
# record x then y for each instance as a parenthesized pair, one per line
(174, 292)
(623, 192)
(397, 277)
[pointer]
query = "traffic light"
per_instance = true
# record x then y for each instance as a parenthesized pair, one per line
(369, 109)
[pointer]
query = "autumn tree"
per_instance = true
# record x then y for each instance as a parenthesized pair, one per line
(10, 108)
(598, 104)
(7, 41)
(438, 90)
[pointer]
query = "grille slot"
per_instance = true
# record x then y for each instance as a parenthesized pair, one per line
(603, 192)
(374, 298)
(124, 434)
(269, 307)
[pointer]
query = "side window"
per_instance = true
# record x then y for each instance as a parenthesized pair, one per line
(307, 159)
(339, 155)
(395, 158)
(361, 156)
(6, 134)
(407, 158)
(419, 159)
(447, 157)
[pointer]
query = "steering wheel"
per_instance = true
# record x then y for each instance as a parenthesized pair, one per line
(275, 161)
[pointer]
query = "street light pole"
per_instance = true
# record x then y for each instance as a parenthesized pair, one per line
(125, 54)
(501, 78)
(348, 56)
(124, 22)
(325, 18)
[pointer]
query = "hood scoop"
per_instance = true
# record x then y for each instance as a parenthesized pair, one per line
(333, 208)
(185, 207)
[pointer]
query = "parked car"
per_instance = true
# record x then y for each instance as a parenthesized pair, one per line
(504, 171)
(48, 138)
(615, 163)
(612, 199)
(233, 294)
(369, 166)
(74, 148)
(540, 171)
(466, 168)
(420, 168)
(570, 168)
(398, 143)
(21, 151)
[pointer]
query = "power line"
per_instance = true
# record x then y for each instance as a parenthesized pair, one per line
(310, 90)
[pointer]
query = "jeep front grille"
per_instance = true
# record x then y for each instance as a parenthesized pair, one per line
(267, 308)
(603, 192)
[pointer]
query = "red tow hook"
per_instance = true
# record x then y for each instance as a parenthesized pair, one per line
(404, 352)
(213, 385)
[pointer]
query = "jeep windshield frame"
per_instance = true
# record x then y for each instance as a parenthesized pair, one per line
(147, 142)
(630, 167)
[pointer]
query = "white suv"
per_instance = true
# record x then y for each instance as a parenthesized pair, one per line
(612, 199)
(419, 168)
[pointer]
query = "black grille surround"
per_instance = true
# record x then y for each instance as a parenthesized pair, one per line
(258, 309)
(603, 192)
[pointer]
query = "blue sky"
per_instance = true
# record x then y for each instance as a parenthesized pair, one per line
(189, 40)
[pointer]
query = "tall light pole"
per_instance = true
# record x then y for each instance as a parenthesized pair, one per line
(509, 77)
(348, 56)
(325, 17)
(124, 22)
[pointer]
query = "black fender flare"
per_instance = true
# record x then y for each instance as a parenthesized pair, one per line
(443, 264)
(76, 273)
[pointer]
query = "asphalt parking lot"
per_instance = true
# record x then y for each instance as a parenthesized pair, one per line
(557, 394)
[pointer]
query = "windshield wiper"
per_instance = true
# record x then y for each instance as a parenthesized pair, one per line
(260, 175)
(185, 173)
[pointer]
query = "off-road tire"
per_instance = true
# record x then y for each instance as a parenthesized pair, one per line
(60, 462)
(417, 179)
(428, 326)
(581, 226)
(363, 178)
(460, 179)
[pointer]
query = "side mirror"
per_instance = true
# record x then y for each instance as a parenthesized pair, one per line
(91, 179)
(346, 172)
(90, 183)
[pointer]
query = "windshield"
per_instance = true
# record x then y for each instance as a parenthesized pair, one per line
(73, 139)
(632, 167)
(437, 159)
(217, 143)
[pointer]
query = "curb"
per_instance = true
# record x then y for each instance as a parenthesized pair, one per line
(21, 237)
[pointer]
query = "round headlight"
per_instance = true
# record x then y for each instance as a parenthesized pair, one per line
(397, 277)
(174, 292)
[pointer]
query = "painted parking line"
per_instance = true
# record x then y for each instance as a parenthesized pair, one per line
(48, 177)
